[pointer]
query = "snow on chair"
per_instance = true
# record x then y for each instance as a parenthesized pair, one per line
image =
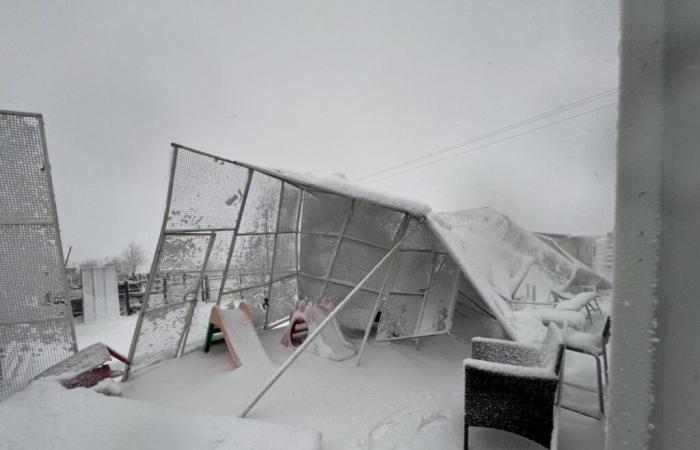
(515, 387)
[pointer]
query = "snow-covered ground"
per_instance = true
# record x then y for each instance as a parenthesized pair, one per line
(399, 397)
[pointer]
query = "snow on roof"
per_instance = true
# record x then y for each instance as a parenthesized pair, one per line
(560, 267)
(339, 184)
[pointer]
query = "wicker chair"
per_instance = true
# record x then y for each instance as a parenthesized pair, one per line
(515, 387)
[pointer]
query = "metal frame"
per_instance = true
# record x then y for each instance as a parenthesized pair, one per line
(60, 316)
(154, 264)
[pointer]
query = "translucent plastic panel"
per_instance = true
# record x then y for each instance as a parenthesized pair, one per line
(419, 237)
(160, 334)
(289, 208)
(399, 317)
(282, 299)
(324, 213)
(374, 223)
(316, 253)
(356, 313)
(437, 313)
(285, 255)
(207, 192)
(309, 289)
(412, 271)
(260, 210)
(356, 260)
(24, 183)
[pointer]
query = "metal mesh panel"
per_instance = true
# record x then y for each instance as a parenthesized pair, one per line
(206, 193)
(262, 205)
(36, 328)
(413, 271)
(251, 261)
(160, 333)
(31, 274)
(27, 349)
(26, 194)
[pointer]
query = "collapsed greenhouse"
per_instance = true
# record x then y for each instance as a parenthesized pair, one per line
(235, 231)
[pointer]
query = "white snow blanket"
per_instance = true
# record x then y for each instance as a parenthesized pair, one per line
(46, 416)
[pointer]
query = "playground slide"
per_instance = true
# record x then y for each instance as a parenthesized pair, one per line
(241, 338)
(330, 343)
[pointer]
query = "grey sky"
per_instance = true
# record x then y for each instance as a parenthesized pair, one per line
(321, 86)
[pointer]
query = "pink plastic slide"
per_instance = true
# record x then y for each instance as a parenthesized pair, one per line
(240, 335)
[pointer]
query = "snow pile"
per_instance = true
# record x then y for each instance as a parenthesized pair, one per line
(339, 184)
(47, 416)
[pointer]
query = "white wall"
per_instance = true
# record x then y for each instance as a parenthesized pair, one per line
(100, 293)
(655, 392)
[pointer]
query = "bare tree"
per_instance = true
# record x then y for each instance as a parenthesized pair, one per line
(133, 256)
(90, 262)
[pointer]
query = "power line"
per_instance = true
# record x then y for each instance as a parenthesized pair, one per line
(493, 133)
(494, 142)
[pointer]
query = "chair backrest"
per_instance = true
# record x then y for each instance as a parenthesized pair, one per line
(606, 331)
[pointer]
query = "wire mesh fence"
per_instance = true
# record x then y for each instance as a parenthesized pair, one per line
(36, 328)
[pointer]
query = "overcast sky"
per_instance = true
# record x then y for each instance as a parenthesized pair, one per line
(320, 86)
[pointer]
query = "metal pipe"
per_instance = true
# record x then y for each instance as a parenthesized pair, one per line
(317, 331)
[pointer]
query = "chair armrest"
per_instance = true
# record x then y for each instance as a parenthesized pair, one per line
(507, 352)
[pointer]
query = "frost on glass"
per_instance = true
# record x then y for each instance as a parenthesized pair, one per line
(437, 313)
(413, 271)
(206, 194)
(399, 317)
(262, 204)
(355, 260)
(374, 223)
(316, 253)
(324, 213)
(289, 208)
